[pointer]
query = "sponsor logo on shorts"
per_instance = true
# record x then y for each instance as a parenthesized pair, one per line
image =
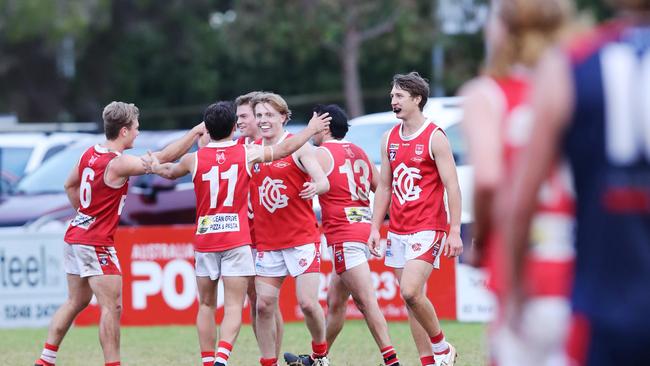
(436, 248)
(103, 260)
(218, 223)
(302, 262)
(416, 247)
(339, 255)
(389, 253)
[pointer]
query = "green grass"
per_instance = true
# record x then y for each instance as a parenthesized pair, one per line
(178, 345)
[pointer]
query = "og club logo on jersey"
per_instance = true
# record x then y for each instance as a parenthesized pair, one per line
(271, 196)
(404, 183)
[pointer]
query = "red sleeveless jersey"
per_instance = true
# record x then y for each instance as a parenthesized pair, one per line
(221, 184)
(346, 207)
(245, 140)
(549, 263)
(282, 219)
(100, 204)
(417, 200)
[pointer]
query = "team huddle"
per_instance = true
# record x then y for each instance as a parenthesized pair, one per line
(562, 298)
(255, 222)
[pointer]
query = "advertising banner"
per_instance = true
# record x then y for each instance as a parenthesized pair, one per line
(32, 279)
(160, 288)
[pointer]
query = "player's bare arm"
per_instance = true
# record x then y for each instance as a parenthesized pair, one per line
(173, 170)
(72, 187)
(324, 159)
(481, 128)
(179, 147)
(319, 184)
(447, 169)
(374, 182)
(260, 154)
(382, 199)
(124, 166)
(552, 103)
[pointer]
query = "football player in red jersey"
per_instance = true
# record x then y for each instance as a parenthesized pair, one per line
(497, 122)
(346, 224)
(417, 167)
(221, 174)
(246, 122)
(250, 133)
(286, 230)
(97, 187)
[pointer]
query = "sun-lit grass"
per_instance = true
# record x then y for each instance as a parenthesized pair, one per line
(178, 345)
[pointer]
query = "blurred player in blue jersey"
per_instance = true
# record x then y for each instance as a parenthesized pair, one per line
(592, 103)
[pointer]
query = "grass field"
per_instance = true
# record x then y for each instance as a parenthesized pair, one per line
(178, 345)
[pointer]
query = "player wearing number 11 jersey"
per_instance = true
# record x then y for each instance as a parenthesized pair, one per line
(97, 187)
(221, 174)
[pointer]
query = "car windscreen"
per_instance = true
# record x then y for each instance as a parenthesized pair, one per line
(14, 159)
(368, 137)
(50, 177)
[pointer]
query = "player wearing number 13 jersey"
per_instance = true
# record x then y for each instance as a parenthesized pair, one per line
(416, 168)
(346, 224)
(96, 187)
(221, 175)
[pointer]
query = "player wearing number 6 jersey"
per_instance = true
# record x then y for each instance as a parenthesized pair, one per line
(97, 187)
(346, 223)
(221, 175)
(591, 101)
(416, 168)
(286, 230)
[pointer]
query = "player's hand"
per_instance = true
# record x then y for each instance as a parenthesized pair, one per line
(146, 162)
(199, 129)
(374, 242)
(319, 123)
(204, 139)
(309, 191)
(474, 256)
(454, 244)
(154, 163)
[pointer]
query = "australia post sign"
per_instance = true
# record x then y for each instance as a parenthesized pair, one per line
(160, 288)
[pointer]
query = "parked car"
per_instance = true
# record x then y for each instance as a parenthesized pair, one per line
(22, 153)
(39, 197)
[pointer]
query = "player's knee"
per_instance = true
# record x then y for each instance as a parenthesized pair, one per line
(361, 305)
(309, 307)
(114, 308)
(411, 295)
(335, 306)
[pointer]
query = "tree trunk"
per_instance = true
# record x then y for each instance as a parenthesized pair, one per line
(349, 57)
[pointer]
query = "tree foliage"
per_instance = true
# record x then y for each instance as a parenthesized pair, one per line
(66, 59)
